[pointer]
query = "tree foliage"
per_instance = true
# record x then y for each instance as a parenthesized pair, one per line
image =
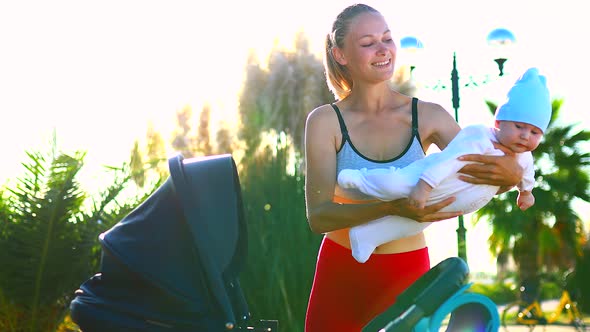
(224, 141)
(193, 139)
(48, 238)
(280, 96)
(282, 249)
(156, 152)
(182, 140)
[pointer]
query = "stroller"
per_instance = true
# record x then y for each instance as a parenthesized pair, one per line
(173, 264)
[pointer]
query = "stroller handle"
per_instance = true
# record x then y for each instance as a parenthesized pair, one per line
(406, 321)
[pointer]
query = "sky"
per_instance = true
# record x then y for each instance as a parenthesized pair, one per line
(98, 72)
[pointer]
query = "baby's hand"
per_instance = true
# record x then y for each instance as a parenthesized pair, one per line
(419, 194)
(525, 200)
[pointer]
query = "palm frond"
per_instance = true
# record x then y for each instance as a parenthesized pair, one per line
(39, 246)
(48, 236)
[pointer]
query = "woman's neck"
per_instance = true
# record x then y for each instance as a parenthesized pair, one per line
(373, 98)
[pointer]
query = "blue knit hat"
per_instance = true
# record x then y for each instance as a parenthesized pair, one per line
(527, 101)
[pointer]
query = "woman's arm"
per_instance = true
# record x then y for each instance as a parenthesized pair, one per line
(436, 125)
(503, 171)
(322, 135)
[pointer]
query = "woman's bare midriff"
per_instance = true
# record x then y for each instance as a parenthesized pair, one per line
(409, 243)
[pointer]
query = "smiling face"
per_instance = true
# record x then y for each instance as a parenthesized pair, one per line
(369, 49)
(518, 136)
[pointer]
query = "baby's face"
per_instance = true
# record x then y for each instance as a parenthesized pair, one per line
(518, 136)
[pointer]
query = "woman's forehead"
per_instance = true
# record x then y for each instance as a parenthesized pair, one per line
(368, 24)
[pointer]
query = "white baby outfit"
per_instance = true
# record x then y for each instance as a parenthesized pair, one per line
(439, 170)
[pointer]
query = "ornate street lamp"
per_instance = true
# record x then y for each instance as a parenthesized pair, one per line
(411, 45)
(498, 39)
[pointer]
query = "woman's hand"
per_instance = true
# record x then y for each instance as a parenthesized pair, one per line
(430, 213)
(503, 171)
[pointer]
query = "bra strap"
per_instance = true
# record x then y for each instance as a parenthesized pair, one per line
(343, 128)
(415, 115)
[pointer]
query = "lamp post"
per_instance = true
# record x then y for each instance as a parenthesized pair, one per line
(497, 38)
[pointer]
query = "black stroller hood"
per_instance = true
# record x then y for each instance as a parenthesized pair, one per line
(172, 264)
(188, 239)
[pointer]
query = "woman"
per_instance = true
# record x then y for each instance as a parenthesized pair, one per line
(371, 126)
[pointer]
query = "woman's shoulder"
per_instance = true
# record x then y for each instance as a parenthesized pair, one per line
(322, 113)
(430, 107)
(322, 125)
(432, 113)
(436, 125)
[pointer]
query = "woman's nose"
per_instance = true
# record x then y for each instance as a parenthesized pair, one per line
(382, 48)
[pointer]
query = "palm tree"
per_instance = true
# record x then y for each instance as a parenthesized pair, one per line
(48, 238)
(548, 236)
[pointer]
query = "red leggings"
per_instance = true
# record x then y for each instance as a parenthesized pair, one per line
(346, 295)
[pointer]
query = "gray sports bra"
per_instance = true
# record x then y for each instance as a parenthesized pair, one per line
(349, 157)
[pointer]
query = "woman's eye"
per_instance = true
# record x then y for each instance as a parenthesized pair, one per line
(367, 45)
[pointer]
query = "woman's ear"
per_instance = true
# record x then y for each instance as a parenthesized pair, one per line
(338, 55)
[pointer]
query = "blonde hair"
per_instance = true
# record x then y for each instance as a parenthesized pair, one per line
(337, 76)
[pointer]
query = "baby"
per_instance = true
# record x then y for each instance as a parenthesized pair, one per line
(519, 125)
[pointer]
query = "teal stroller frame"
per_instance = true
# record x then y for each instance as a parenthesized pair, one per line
(173, 264)
(440, 298)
